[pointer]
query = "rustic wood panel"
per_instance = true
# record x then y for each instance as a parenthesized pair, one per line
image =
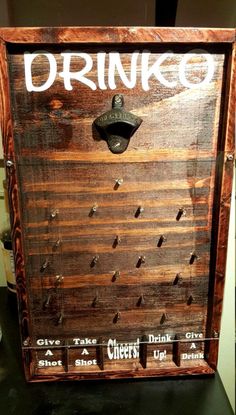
(108, 243)
(122, 297)
(49, 130)
(175, 161)
(164, 274)
(139, 323)
(72, 263)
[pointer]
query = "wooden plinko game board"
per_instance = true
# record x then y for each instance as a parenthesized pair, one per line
(119, 152)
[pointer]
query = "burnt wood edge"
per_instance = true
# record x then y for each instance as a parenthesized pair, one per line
(124, 374)
(116, 35)
(13, 194)
(220, 221)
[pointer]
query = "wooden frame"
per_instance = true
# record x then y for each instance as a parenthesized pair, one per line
(226, 37)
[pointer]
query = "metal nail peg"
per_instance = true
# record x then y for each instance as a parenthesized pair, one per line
(162, 240)
(177, 279)
(95, 301)
(139, 211)
(93, 209)
(193, 257)
(119, 182)
(117, 317)
(117, 241)
(190, 300)
(141, 301)
(44, 265)
(54, 213)
(60, 319)
(48, 300)
(57, 243)
(163, 318)
(141, 261)
(182, 212)
(116, 275)
(59, 279)
(94, 260)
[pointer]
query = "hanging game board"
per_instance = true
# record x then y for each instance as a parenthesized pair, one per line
(119, 149)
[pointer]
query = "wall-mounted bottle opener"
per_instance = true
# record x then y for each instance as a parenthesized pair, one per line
(117, 126)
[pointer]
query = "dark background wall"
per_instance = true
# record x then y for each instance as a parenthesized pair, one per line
(208, 13)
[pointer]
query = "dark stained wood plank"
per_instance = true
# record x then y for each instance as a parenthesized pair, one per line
(82, 262)
(223, 198)
(123, 297)
(13, 193)
(161, 275)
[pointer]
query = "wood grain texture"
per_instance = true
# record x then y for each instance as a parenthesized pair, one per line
(223, 199)
(13, 192)
(177, 161)
(116, 35)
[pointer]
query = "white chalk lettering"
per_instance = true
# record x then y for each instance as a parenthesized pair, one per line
(110, 69)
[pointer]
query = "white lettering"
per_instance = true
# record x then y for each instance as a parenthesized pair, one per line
(165, 338)
(122, 350)
(48, 353)
(101, 59)
(47, 363)
(84, 342)
(182, 68)
(154, 70)
(115, 64)
(28, 60)
(115, 68)
(82, 362)
(192, 335)
(159, 355)
(79, 76)
(48, 342)
(193, 346)
(190, 356)
(85, 351)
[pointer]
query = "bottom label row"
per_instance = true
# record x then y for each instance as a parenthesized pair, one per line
(102, 356)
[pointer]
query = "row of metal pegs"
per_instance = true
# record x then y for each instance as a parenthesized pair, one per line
(140, 209)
